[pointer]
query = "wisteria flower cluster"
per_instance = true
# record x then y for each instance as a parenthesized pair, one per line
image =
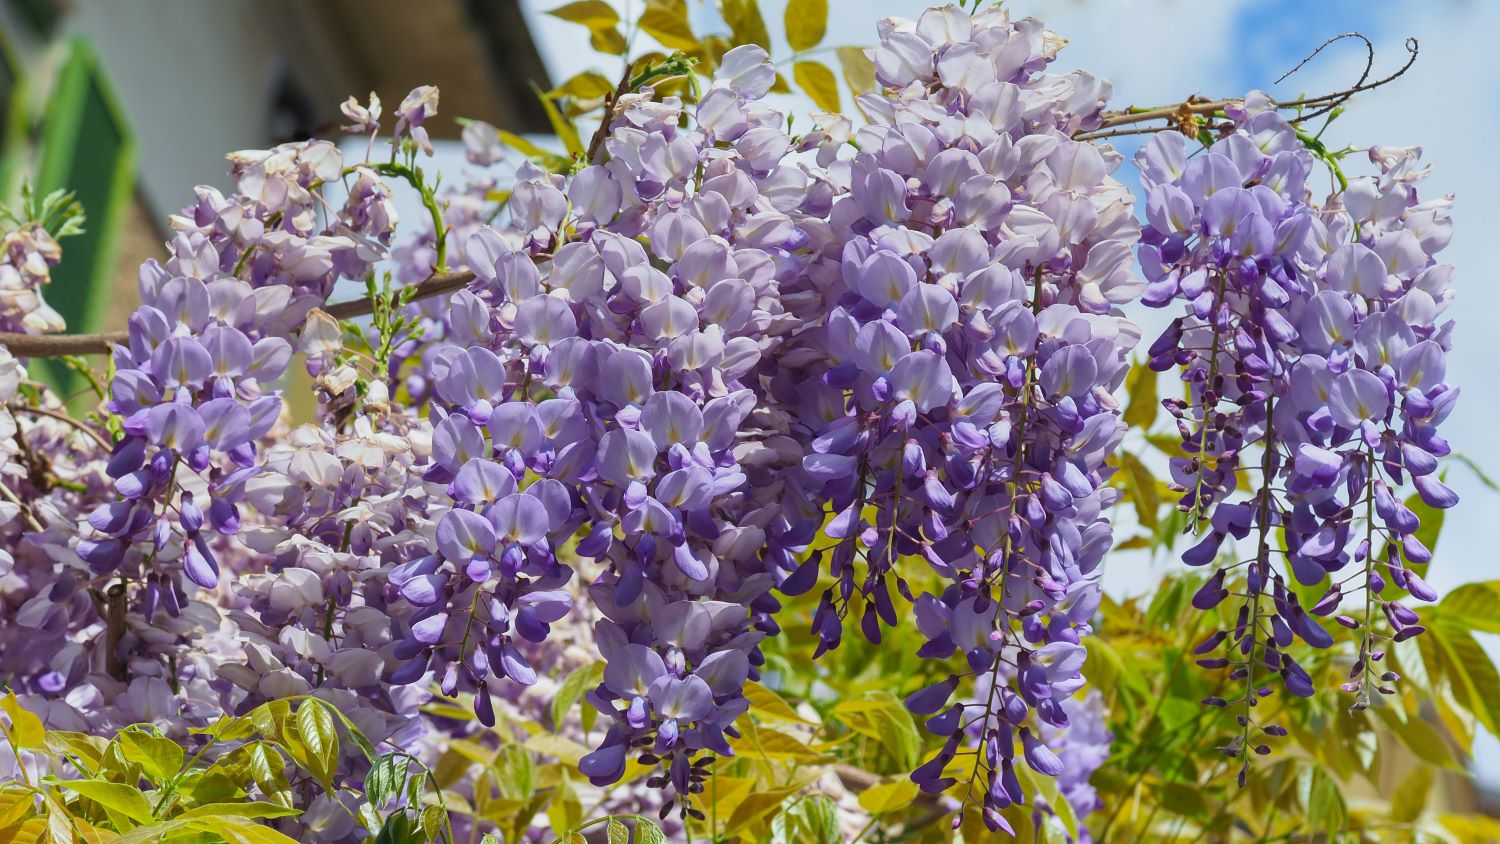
(707, 367)
(1313, 333)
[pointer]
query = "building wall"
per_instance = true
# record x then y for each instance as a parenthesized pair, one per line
(199, 79)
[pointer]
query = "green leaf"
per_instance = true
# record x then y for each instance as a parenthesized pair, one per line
(745, 22)
(608, 41)
(1474, 606)
(1420, 737)
(246, 809)
(550, 160)
(859, 70)
(515, 772)
(1410, 797)
(883, 717)
(268, 770)
(1047, 788)
(1325, 804)
(668, 24)
(806, 21)
(594, 14)
(399, 829)
(386, 779)
(572, 688)
(819, 83)
(757, 805)
(1473, 677)
(561, 126)
(433, 820)
(84, 751)
(892, 795)
(160, 758)
(588, 85)
(1140, 485)
(26, 730)
(647, 832)
(317, 729)
(813, 819)
(1141, 395)
(118, 798)
(240, 830)
(616, 832)
(768, 704)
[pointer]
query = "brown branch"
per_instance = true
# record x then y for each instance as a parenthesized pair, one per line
(115, 664)
(60, 345)
(1199, 106)
(65, 418)
(610, 100)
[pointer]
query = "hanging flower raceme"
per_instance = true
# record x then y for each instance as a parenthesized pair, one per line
(27, 255)
(1369, 394)
(1231, 233)
(589, 388)
(956, 398)
(1308, 329)
(194, 382)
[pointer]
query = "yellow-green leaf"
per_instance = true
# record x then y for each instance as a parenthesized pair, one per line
(561, 126)
(819, 83)
(115, 797)
(1141, 393)
(240, 830)
(551, 160)
(588, 85)
(882, 716)
(1410, 798)
(806, 21)
(160, 758)
(756, 805)
(559, 747)
(745, 22)
(578, 681)
(26, 730)
(859, 70)
(762, 742)
(1474, 606)
(892, 795)
(86, 752)
(594, 14)
(608, 41)
(268, 771)
(15, 805)
(247, 809)
(1473, 829)
(1474, 679)
(668, 24)
(317, 730)
(767, 703)
(566, 809)
(1141, 487)
(1047, 788)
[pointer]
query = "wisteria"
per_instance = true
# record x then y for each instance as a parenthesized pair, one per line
(962, 407)
(706, 375)
(1313, 336)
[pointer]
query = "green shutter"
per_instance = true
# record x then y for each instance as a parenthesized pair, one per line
(86, 148)
(12, 119)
